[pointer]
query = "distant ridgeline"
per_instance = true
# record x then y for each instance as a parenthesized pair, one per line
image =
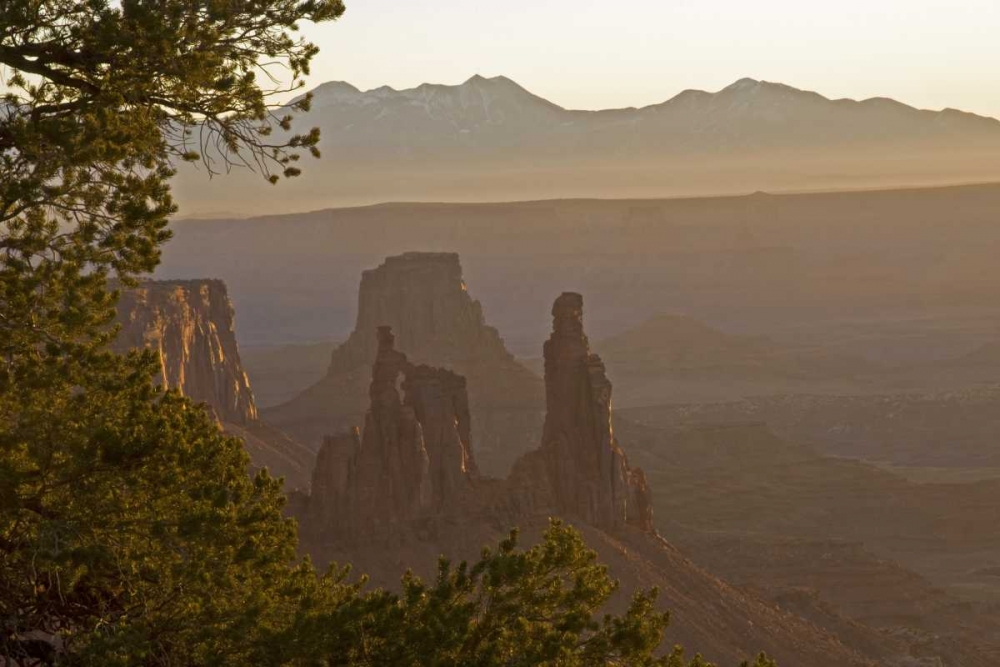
(492, 140)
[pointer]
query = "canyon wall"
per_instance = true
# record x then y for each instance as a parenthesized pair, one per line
(191, 325)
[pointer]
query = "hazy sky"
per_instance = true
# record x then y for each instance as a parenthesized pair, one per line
(588, 54)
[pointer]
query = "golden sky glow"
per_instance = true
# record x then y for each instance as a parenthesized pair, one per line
(588, 54)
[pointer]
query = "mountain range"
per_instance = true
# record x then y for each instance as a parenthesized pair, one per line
(490, 139)
(499, 116)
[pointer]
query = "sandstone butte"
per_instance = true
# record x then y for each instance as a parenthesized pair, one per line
(424, 298)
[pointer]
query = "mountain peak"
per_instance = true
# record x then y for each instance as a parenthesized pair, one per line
(478, 80)
(742, 85)
(335, 87)
(333, 91)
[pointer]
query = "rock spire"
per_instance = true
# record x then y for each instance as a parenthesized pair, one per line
(413, 459)
(589, 472)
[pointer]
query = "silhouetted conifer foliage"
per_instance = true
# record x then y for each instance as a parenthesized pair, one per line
(536, 606)
(130, 533)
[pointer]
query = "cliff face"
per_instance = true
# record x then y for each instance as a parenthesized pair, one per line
(191, 325)
(407, 490)
(423, 298)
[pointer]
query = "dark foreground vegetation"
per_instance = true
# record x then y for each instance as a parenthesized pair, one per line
(130, 533)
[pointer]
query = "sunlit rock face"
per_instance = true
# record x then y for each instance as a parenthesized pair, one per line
(190, 324)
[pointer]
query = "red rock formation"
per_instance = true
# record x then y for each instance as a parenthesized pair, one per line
(413, 460)
(190, 324)
(393, 467)
(423, 298)
(589, 472)
(407, 491)
(333, 501)
(441, 406)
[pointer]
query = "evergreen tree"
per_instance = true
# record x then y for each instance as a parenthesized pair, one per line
(129, 531)
(512, 608)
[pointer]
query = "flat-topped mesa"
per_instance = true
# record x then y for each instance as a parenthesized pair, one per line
(423, 297)
(588, 471)
(190, 324)
(413, 459)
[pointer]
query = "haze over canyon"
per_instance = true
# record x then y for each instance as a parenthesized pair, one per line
(456, 375)
(802, 452)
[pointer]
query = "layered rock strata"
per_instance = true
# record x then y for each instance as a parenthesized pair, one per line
(191, 325)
